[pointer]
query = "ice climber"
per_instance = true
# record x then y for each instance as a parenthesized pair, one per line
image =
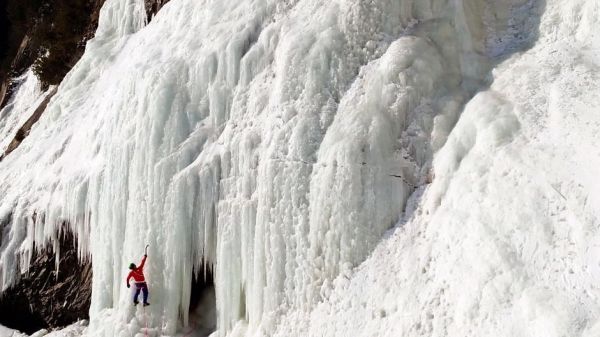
(140, 282)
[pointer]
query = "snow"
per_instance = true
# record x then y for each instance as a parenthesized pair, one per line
(6, 332)
(20, 107)
(277, 142)
(74, 330)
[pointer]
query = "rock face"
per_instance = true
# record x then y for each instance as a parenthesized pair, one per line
(153, 6)
(49, 35)
(44, 298)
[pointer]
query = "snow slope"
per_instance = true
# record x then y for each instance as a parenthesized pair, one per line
(278, 141)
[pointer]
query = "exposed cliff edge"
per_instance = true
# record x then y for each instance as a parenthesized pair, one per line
(153, 6)
(49, 35)
(46, 298)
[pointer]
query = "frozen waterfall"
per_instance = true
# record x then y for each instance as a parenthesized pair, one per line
(271, 145)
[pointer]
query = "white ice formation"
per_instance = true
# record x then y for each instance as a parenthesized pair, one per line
(275, 143)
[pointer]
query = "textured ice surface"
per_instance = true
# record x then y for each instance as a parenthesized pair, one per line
(504, 242)
(277, 141)
(19, 108)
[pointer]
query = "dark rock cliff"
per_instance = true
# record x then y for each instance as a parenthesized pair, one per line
(45, 298)
(153, 6)
(49, 35)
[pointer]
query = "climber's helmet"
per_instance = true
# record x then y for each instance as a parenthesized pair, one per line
(132, 266)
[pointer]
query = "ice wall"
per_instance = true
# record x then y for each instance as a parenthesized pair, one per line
(504, 242)
(274, 141)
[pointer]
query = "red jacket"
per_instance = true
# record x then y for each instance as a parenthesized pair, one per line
(138, 273)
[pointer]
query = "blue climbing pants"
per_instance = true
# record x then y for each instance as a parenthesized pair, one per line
(143, 287)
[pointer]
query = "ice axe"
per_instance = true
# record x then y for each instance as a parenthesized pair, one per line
(146, 250)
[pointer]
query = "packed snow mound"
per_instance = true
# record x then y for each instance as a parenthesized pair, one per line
(277, 141)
